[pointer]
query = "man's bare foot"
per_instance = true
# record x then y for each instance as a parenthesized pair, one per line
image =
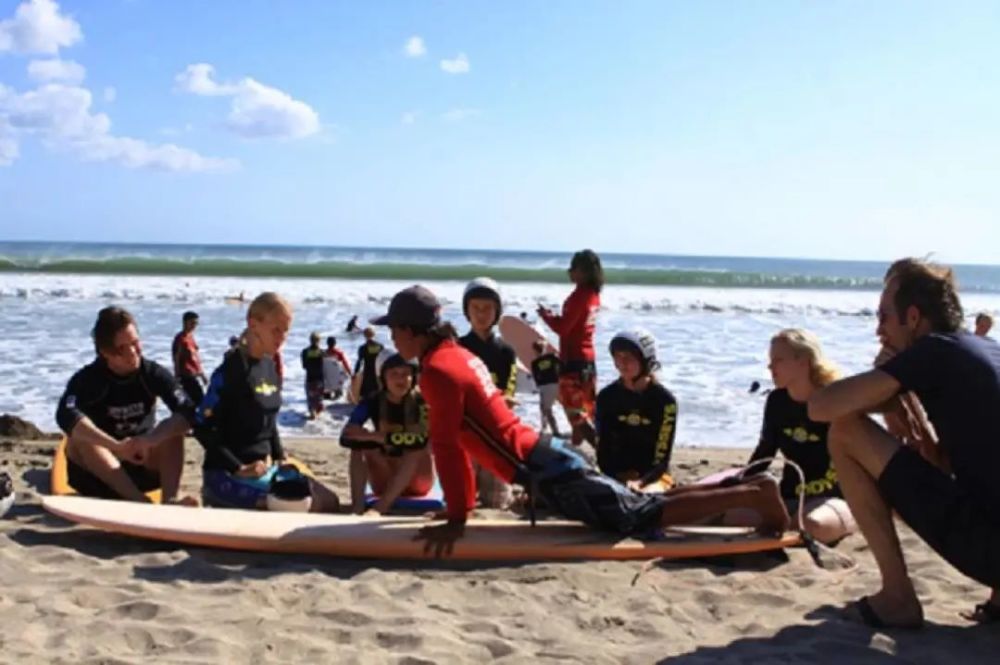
(890, 610)
(187, 501)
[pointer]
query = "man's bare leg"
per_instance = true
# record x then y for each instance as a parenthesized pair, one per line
(861, 450)
(760, 495)
(101, 462)
(167, 459)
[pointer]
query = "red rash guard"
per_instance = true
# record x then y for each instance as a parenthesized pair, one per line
(456, 384)
(341, 358)
(186, 351)
(575, 326)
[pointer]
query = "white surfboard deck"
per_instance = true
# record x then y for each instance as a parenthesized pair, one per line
(334, 375)
(521, 336)
(392, 537)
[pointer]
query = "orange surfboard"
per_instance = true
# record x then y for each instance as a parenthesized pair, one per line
(392, 537)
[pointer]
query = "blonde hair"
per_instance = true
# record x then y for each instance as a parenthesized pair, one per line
(267, 304)
(822, 372)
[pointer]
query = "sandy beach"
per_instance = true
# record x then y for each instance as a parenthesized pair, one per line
(74, 595)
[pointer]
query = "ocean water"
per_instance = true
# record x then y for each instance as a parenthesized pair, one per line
(712, 316)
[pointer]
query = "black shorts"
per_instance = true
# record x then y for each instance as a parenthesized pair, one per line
(575, 490)
(87, 484)
(192, 386)
(956, 525)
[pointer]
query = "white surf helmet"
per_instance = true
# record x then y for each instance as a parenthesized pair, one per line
(482, 287)
(638, 341)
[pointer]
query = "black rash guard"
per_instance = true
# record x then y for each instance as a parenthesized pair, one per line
(120, 406)
(367, 355)
(499, 358)
(635, 431)
(787, 428)
(237, 422)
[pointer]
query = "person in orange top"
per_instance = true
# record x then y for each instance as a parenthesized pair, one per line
(575, 327)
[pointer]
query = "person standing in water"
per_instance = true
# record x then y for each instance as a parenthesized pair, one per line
(365, 365)
(187, 359)
(575, 327)
(312, 362)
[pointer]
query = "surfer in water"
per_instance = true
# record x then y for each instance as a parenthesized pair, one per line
(365, 365)
(575, 327)
(636, 417)
(312, 362)
(799, 368)
(237, 422)
(108, 409)
(471, 422)
(393, 457)
(352, 325)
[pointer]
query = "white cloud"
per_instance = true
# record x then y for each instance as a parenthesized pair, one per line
(415, 47)
(110, 94)
(460, 114)
(38, 27)
(65, 71)
(257, 110)
(61, 117)
(458, 65)
(409, 117)
(9, 151)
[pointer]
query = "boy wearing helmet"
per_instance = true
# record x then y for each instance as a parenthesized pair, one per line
(312, 363)
(636, 417)
(394, 457)
(469, 421)
(482, 306)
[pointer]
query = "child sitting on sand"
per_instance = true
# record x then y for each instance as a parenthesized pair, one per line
(799, 368)
(636, 417)
(394, 457)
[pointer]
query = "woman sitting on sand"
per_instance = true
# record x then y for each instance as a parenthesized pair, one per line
(636, 417)
(395, 457)
(799, 368)
(237, 422)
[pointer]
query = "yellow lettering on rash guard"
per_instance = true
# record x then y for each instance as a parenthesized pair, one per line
(663, 441)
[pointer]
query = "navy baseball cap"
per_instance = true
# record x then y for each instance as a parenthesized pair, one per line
(416, 307)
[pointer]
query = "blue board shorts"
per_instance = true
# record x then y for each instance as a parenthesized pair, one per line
(571, 487)
(222, 489)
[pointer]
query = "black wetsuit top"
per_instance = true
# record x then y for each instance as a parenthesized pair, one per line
(787, 428)
(635, 431)
(499, 358)
(237, 422)
(312, 363)
(367, 355)
(120, 406)
(405, 423)
(545, 369)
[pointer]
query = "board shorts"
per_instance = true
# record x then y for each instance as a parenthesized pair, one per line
(956, 525)
(571, 487)
(314, 394)
(578, 392)
(222, 489)
(87, 484)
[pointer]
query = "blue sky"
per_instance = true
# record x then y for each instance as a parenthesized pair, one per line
(828, 130)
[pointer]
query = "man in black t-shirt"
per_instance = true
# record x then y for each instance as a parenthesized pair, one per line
(113, 449)
(948, 493)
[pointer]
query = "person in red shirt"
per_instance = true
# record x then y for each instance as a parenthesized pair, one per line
(471, 422)
(575, 327)
(187, 360)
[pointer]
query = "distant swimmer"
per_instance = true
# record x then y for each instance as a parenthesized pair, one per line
(352, 325)
(236, 299)
(984, 323)
(107, 412)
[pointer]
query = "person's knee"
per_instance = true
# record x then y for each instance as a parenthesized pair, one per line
(823, 529)
(842, 433)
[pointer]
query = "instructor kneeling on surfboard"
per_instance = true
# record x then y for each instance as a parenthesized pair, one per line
(471, 422)
(107, 412)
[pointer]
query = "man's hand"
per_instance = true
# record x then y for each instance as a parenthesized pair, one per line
(440, 539)
(135, 450)
(543, 311)
(253, 469)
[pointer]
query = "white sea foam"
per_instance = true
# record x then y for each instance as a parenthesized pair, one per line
(713, 342)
